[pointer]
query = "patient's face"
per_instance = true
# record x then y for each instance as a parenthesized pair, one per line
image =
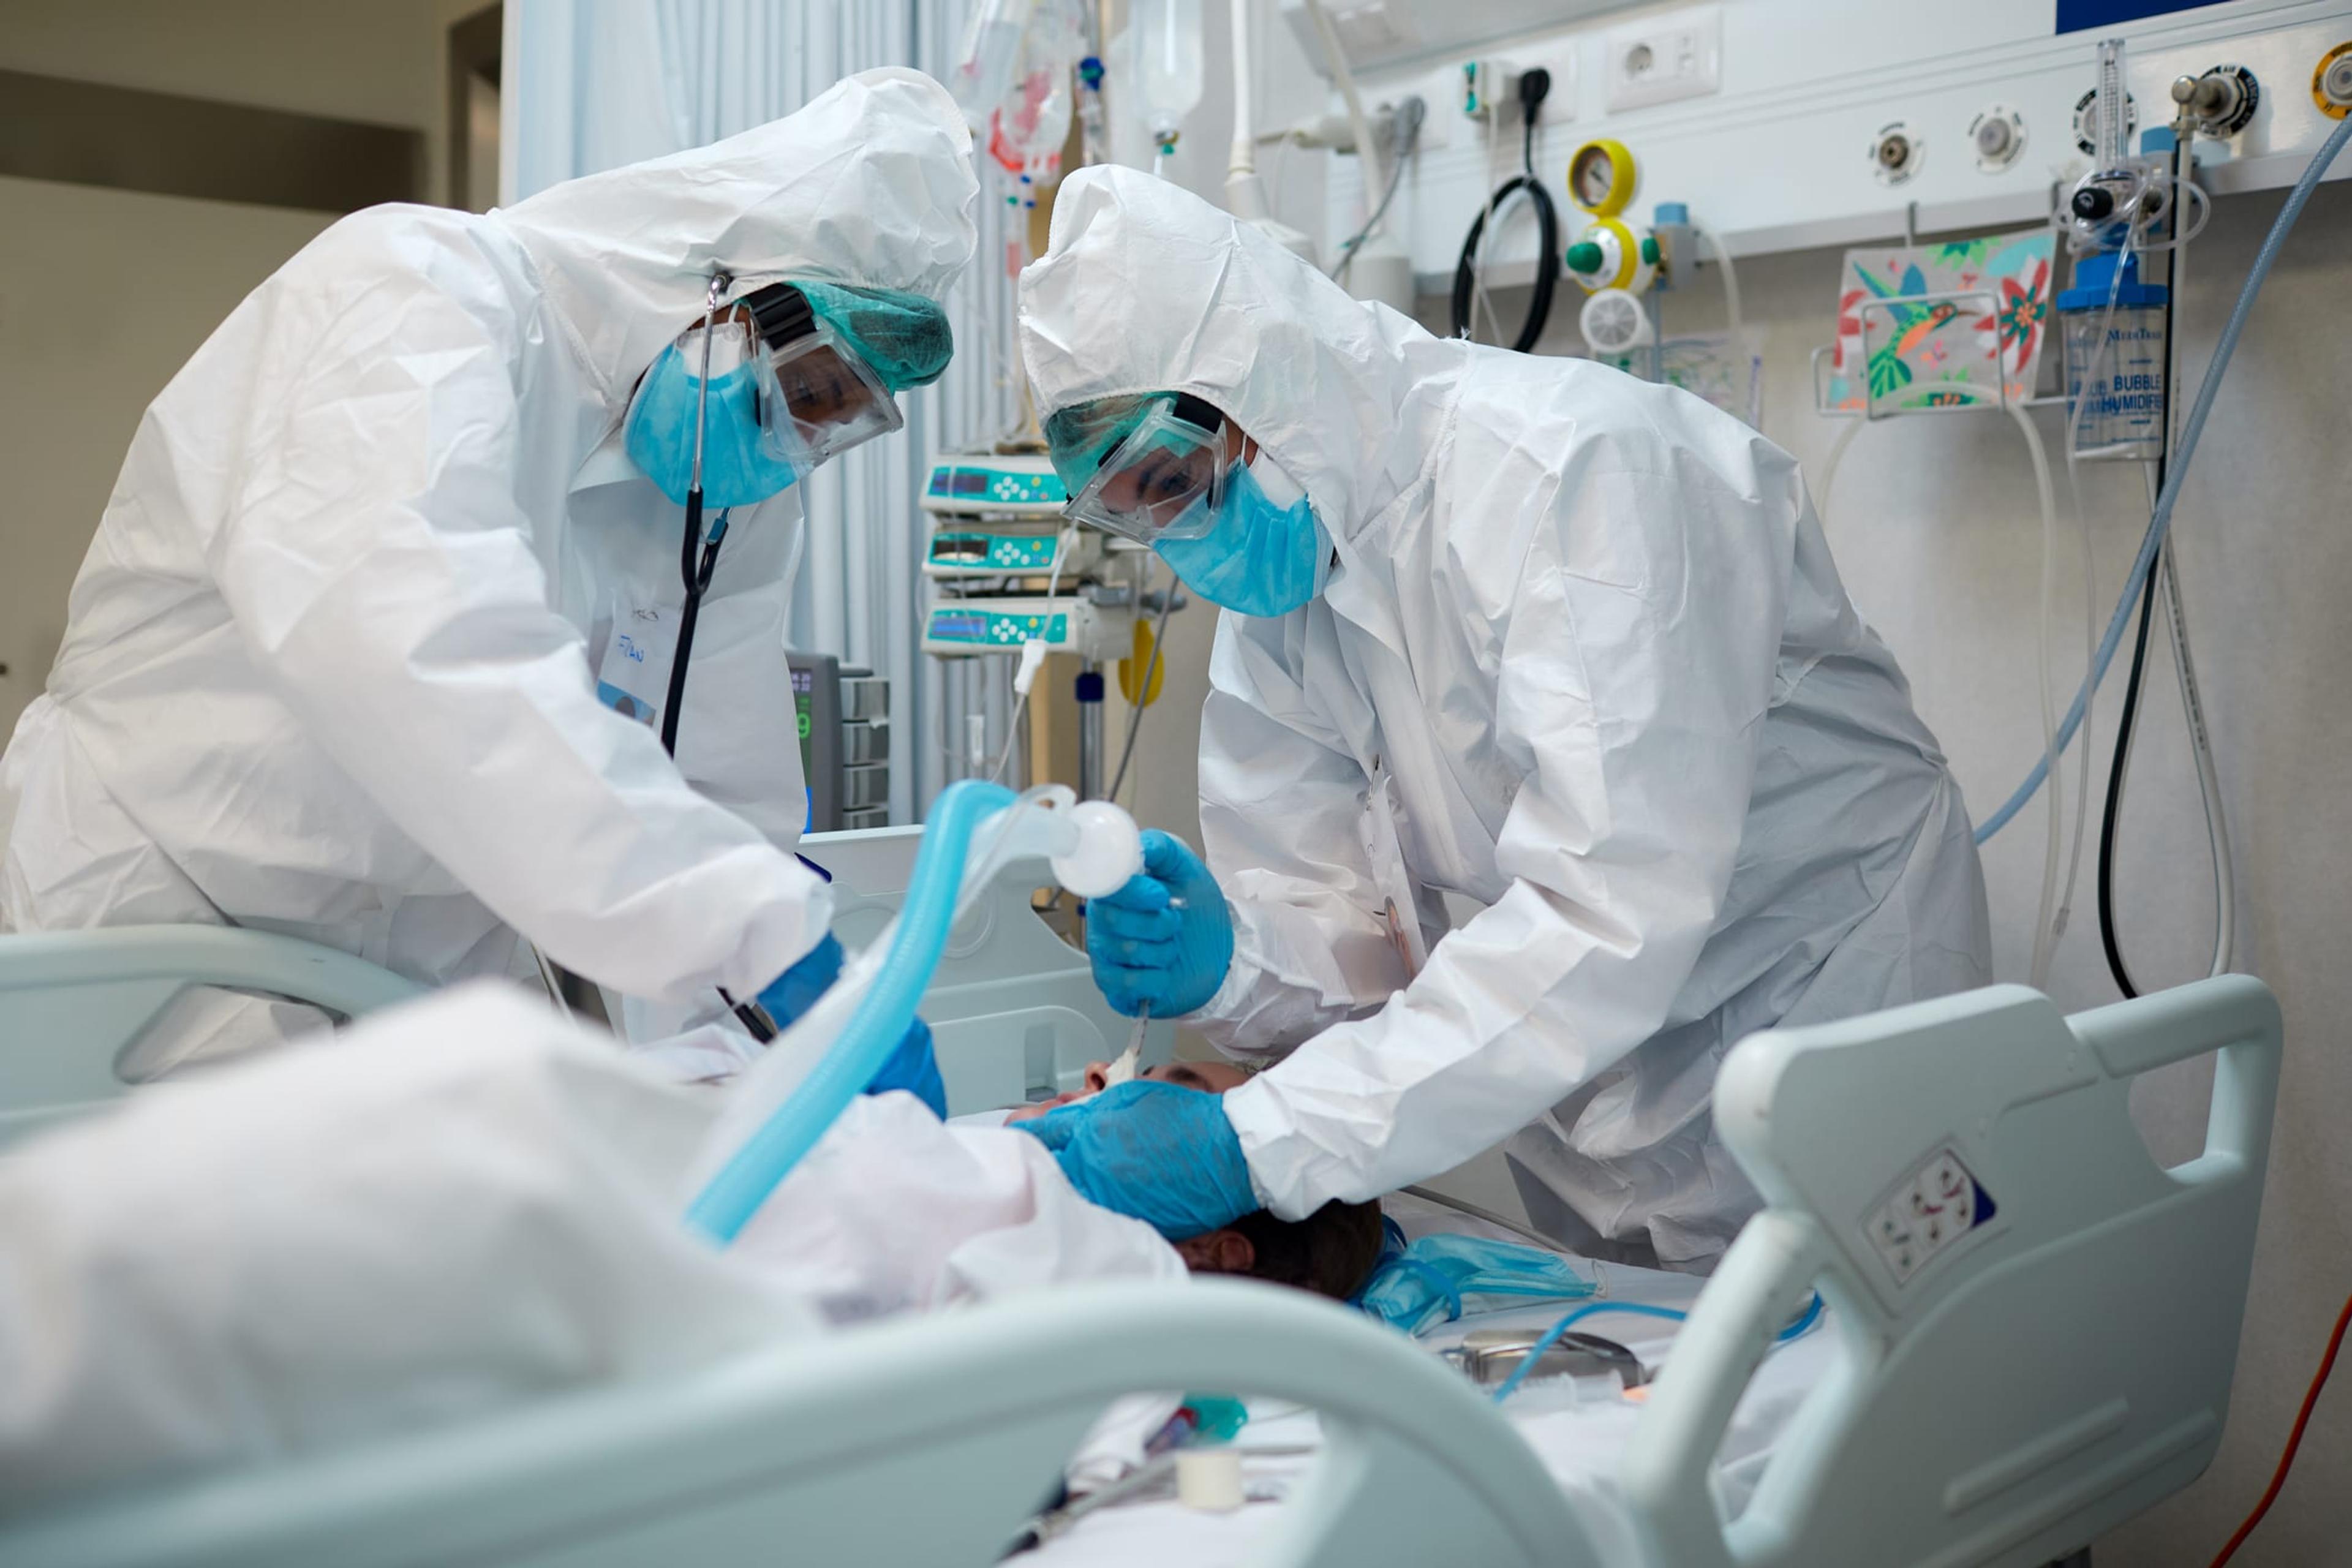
(1209, 1078)
(1226, 1251)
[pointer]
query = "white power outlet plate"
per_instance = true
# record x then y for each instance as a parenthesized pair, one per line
(1674, 55)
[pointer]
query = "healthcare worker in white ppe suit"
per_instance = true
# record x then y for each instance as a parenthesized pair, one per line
(371, 646)
(1521, 629)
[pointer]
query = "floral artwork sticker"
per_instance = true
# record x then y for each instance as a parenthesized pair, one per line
(1983, 312)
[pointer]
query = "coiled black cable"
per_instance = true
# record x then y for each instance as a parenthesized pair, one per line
(1534, 86)
(2111, 814)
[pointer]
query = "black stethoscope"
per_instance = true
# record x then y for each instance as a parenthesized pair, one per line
(696, 573)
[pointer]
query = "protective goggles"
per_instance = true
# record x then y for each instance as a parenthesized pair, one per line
(815, 396)
(1165, 480)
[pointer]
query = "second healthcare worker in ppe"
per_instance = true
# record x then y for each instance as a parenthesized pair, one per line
(1523, 630)
(393, 564)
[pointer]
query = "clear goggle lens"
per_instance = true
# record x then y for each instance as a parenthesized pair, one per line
(826, 399)
(816, 397)
(1165, 481)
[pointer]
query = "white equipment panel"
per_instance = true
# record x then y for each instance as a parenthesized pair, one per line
(1781, 157)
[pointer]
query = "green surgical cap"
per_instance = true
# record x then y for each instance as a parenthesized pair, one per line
(1080, 437)
(903, 338)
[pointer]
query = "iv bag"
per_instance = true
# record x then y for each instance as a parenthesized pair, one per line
(1167, 43)
(991, 42)
(1033, 120)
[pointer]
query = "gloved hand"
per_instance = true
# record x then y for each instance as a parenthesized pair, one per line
(795, 991)
(914, 1068)
(1161, 1152)
(1146, 951)
(912, 1065)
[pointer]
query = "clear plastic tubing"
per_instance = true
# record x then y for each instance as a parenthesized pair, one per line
(2161, 518)
(735, 1193)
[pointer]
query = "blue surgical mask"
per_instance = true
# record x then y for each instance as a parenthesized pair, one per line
(1439, 1278)
(1265, 555)
(738, 467)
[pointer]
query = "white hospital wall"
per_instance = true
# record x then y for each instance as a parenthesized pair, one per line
(1937, 529)
(374, 60)
(105, 293)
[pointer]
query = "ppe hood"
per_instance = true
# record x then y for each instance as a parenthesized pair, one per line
(871, 183)
(1145, 287)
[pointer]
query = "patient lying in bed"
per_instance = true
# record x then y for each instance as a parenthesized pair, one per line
(467, 1203)
(1330, 1252)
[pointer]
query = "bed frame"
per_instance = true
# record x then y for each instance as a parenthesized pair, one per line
(2024, 1382)
(72, 1003)
(1014, 1009)
(2010, 1389)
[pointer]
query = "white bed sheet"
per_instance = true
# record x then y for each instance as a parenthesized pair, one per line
(1581, 1445)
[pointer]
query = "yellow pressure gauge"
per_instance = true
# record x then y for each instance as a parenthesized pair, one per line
(1600, 177)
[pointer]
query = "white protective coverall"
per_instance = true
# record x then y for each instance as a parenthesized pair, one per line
(462, 1205)
(1584, 660)
(332, 660)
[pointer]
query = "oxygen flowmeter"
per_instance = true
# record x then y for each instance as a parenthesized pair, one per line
(1610, 253)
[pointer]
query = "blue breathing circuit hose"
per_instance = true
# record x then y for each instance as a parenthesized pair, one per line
(2161, 518)
(735, 1193)
(1805, 1320)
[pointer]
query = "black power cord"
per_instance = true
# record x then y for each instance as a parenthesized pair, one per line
(1535, 85)
(2111, 814)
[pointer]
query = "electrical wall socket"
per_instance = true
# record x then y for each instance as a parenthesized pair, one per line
(1488, 85)
(1502, 73)
(1674, 55)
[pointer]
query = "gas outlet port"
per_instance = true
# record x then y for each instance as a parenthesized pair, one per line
(2331, 82)
(1997, 135)
(1895, 152)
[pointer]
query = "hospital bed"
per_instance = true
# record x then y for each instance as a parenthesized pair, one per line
(74, 1004)
(2000, 1388)
(1014, 1009)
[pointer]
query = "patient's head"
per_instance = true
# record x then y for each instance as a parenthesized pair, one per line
(1209, 1078)
(1330, 1252)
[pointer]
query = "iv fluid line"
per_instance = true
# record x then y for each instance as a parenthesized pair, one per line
(2144, 561)
(2045, 940)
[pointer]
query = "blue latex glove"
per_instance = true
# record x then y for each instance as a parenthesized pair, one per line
(914, 1068)
(1147, 951)
(1161, 1152)
(912, 1065)
(795, 991)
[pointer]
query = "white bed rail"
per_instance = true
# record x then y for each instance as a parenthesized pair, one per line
(1014, 1010)
(918, 1441)
(72, 1002)
(2055, 1357)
